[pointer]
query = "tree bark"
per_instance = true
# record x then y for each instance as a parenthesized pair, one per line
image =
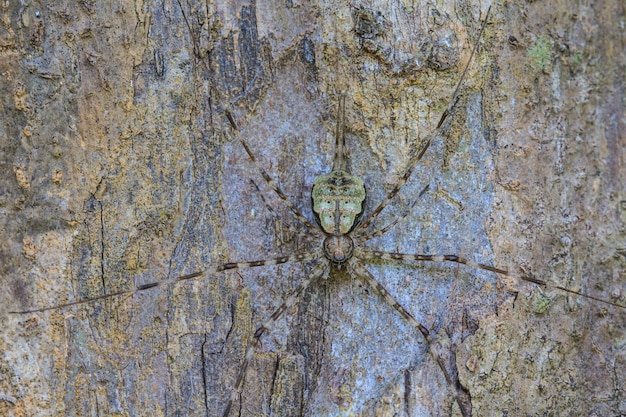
(121, 169)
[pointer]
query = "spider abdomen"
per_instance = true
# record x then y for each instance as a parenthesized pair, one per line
(338, 201)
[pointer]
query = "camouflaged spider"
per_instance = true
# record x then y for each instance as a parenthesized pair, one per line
(338, 204)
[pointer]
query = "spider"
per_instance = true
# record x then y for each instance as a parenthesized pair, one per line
(342, 228)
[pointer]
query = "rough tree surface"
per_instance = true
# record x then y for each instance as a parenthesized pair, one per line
(120, 168)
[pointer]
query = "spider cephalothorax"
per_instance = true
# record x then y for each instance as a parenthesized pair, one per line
(338, 249)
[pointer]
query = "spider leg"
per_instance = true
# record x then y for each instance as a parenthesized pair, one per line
(362, 273)
(314, 229)
(367, 254)
(300, 257)
(319, 270)
(407, 173)
(413, 162)
(403, 215)
(258, 166)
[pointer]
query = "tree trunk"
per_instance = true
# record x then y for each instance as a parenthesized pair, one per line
(121, 169)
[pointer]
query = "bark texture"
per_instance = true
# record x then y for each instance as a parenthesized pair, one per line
(120, 168)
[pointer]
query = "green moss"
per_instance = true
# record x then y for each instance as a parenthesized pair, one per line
(540, 53)
(541, 304)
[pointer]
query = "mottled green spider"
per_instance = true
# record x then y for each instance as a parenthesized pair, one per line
(338, 203)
